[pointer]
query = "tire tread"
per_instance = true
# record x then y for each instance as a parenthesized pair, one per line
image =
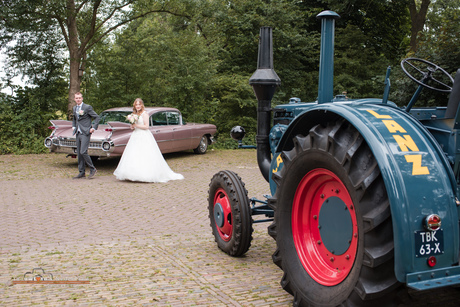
(345, 144)
(242, 220)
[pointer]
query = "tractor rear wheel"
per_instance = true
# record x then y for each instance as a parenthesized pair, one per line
(230, 213)
(332, 222)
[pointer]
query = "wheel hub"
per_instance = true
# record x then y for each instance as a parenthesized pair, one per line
(219, 215)
(222, 213)
(335, 225)
(324, 227)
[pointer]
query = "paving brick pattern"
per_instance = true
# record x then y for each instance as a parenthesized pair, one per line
(139, 244)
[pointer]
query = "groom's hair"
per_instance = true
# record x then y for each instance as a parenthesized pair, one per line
(78, 93)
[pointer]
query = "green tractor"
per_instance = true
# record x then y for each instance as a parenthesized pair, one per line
(364, 194)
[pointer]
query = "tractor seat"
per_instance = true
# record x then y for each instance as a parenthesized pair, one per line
(454, 98)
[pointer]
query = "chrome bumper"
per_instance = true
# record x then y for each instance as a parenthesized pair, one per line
(69, 146)
(212, 140)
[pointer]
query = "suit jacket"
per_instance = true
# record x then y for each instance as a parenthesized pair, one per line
(85, 122)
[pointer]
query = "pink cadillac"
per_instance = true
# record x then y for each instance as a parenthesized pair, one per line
(166, 124)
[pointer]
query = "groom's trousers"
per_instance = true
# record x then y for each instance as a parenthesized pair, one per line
(82, 152)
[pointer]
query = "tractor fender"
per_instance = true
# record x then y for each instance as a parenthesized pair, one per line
(418, 178)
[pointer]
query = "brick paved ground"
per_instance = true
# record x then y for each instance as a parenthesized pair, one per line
(137, 243)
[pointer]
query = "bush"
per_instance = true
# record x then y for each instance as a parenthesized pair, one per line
(23, 125)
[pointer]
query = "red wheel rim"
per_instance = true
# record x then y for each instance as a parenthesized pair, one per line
(222, 201)
(322, 265)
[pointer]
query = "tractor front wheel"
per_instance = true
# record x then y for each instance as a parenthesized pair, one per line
(230, 213)
(332, 222)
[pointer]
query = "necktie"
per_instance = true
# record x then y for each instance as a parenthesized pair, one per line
(78, 115)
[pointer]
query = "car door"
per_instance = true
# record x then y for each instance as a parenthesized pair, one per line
(181, 133)
(162, 132)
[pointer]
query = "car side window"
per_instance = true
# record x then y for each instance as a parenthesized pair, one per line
(113, 116)
(158, 119)
(173, 118)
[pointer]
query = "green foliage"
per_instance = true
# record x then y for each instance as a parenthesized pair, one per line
(233, 104)
(238, 38)
(200, 64)
(198, 56)
(438, 43)
(35, 53)
(370, 36)
(384, 24)
(359, 70)
(23, 122)
(149, 60)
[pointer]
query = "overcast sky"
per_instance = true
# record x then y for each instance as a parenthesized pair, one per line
(16, 80)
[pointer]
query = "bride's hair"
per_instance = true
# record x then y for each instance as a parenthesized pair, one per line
(134, 106)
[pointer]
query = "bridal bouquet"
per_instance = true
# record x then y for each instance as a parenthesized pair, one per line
(132, 118)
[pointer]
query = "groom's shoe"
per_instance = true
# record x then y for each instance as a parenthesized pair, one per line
(92, 173)
(81, 175)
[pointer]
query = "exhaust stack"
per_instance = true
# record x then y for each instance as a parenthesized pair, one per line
(264, 82)
(326, 60)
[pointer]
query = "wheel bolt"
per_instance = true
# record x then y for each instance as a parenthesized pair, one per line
(315, 217)
(355, 235)
(319, 242)
(347, 257)
(332, 259)
(337, 191)
(322, 195)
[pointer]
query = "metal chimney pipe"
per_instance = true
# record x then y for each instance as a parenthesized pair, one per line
(264, 82)
(326, 60)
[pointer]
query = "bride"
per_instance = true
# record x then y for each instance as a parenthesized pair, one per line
(142, 159)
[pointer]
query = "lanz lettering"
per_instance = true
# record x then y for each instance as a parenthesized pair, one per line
(405, 143)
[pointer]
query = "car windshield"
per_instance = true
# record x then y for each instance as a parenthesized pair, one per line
(114, 116)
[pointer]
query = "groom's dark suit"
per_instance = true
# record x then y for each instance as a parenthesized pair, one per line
(82, 125)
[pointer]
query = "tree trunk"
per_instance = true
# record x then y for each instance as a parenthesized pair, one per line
(74, 84)
(75, 54)
(417, 21)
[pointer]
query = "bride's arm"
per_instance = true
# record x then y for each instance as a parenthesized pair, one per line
(145, 126)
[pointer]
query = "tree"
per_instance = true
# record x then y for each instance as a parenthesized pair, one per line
(82, 24)
(441, 37)
(438, 43)
(156, 61)
(370, 36)
(201, 63)
(235, 28)
(384, 24)
(418, 19)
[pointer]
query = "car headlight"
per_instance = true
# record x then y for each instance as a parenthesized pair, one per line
(48, 142)
(106, 146)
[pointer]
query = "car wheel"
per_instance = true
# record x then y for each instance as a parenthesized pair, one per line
(203, 146)
(230, 213)
(332, 222)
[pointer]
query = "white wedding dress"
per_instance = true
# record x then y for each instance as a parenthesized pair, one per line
(142, 159)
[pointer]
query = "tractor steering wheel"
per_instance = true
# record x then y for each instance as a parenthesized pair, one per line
(433, 74)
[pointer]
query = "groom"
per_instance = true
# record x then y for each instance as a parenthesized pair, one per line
(83, 114)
